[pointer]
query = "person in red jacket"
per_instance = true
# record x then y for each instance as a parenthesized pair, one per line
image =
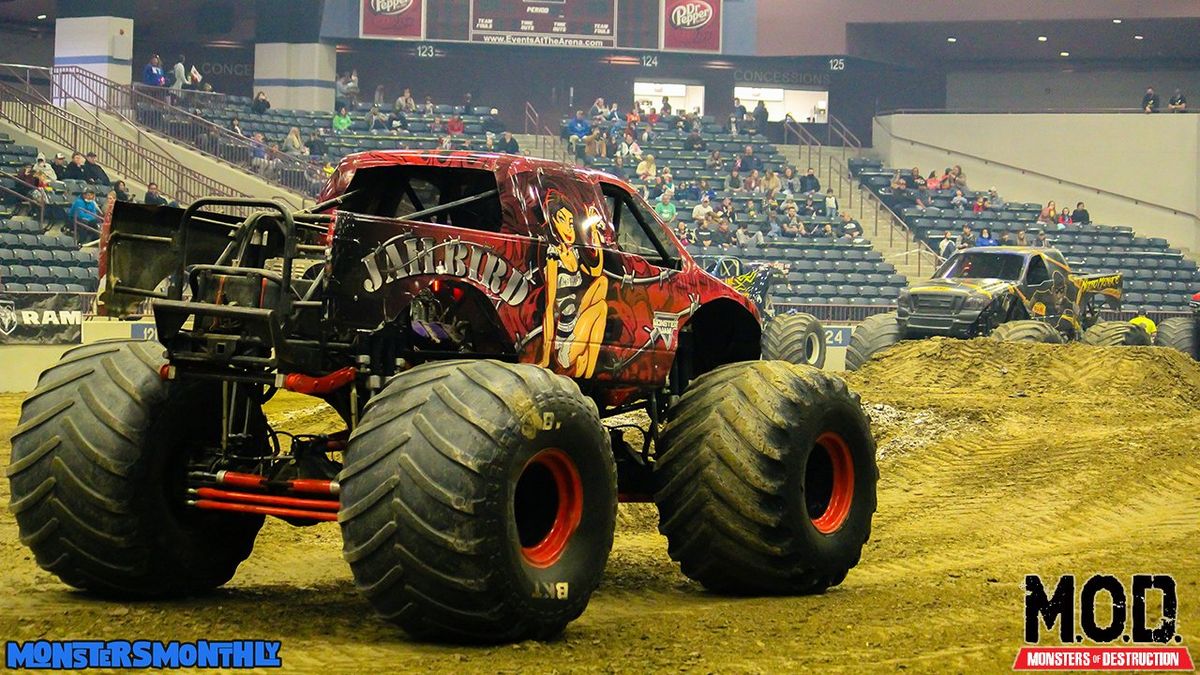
(455, 126)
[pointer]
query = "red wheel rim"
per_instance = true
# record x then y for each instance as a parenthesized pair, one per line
(841, 493)
(563, 493)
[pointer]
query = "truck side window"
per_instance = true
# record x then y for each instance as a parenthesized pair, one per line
(1037, 273)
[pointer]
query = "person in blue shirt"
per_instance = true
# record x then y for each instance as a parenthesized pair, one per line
(576, 129)
(85, 210)
(985, 238)
(153, 74)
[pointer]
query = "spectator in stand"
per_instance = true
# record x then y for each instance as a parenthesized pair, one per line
(704, 209)
(745, 237)
(715, 162)
(668, 180)
(789, 182)
(1150, 101)
(341, 122)
(994, 199)
(44, 169)
(1021, 239)
(947, 246)
(958, 178)
(455, 126)
(934, 181)
(492, 124)
(666, 209)
(123, 194)
(980, 204)
(1005, 239)
(235, 125)
(293, 144)
(260, 160)
(771, 183)
(959, 200)
(665, 109)
(154, 197)
(1049, 214)
(316, 145)
(646, 169)
(427, 106)
(850, 227)
(966, 238)
(1040, 241)
(378, 100)
(735, 182)
(595, 144)
(1177, 103)
(397, 119)
(74, 170)
(507, 144)
(985, 238)
(809, 208)
(723, 234)
(179, 75)
(85, 210)
(831, 203)
(760, 117)
(93, 172)
(351, 88)
(791, 226)
(739, 110)
(629, 149)
(260, 104)
(753, 182)
(59, 165)
(809, 182)
(152, 73)
(915, 180)
(576, 130)
(1080, 215)
(405, 102)
(748, 161)
(652, 117)
(31, 184)
(376, 119)
(445, 143)
(599, 109)
(694, 142)
(1064, 219)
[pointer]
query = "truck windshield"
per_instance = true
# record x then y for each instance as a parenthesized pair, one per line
(978, 265)
(400, 190)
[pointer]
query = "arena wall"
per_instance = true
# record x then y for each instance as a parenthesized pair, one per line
(1130, 169)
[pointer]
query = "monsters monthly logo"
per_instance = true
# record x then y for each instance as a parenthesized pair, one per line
(8, 317)
(1142, 621)
(408, 256)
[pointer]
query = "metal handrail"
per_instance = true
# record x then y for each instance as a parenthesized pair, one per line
(153, 108)
(844, 133)
(27, 110)
(1039, 174)
(532, 118)
(1021, 111)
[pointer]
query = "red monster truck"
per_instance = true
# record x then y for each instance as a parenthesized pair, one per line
(473, 318)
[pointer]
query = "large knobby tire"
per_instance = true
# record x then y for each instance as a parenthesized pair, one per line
(1116, 334)
(1028, 330)
(478, 501)
(98, 473)
(766, 479)
(875, 334)
(795, 338)
(1178, 332)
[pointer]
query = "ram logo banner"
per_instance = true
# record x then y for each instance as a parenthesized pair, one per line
(8, 317)
(392, 19)
(41, 319)
(691, 25)
(1128, 627)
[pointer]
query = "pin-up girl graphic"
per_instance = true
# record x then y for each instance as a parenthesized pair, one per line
(576, 292)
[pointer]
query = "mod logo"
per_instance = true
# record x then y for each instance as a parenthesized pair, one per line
(1129, 618)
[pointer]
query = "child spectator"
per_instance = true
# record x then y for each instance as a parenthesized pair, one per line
(341, 121)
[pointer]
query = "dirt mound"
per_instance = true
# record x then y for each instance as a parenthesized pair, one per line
(988, 367)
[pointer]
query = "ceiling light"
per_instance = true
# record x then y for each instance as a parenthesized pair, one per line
(1139, 37)
(41, 17)
(1042, 38)
(1116, 21)
(951, 39)
(1064, 53)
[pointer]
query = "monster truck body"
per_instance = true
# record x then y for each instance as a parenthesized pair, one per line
(473, 318)
(978, 289)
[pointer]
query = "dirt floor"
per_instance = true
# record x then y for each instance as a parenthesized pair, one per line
(996, 461)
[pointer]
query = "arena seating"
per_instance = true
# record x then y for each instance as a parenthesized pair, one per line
(31, 260)
(1157, 277)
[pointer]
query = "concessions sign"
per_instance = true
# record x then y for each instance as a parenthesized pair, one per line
(40, 318)
(392, 19)
(691, 25)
